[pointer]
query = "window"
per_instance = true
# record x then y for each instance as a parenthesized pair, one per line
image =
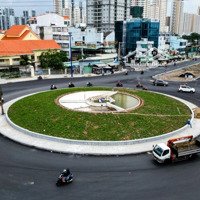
(158, 150)
(165, 152)
(16, 59)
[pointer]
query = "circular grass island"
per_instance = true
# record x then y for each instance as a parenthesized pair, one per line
(157, 115)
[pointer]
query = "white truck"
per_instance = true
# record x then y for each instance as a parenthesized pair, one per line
(176, 149)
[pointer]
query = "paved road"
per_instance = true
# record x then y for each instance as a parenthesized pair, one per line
(27, 173)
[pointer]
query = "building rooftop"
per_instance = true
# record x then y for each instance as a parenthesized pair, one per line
(18, 32)
(22, 47)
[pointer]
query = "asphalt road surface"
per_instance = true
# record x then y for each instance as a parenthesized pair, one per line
(30, 174)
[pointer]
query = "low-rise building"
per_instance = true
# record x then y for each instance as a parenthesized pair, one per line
(12, 50)
(19, 32)
(19, 41)
(52, 26)
(177, 43)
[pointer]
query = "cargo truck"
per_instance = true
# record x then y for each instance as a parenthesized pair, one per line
(176, 149)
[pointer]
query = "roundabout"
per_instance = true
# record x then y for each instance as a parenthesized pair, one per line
(29, 173)
(114, 133)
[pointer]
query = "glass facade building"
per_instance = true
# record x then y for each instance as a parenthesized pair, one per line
(133, 30)
(136, 11)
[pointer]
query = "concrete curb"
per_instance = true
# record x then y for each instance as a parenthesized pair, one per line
(87, 147)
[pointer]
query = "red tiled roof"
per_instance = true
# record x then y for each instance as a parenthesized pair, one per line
(21, 47)
(15, 30)
(17, 38)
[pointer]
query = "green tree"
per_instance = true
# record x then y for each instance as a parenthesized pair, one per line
(24, 60)
(52, 59)
(193, 38)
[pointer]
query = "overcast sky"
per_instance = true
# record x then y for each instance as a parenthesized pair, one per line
(47, 5)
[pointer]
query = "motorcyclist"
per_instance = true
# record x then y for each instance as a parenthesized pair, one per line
(71, 84)
(119, 84)
(66, 175)
(89, 84)
(66, 172)
(53, 87)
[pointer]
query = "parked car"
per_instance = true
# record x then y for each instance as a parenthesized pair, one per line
(160, 83)
(186, 88)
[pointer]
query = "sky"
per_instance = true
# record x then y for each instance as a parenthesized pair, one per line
(42, 6)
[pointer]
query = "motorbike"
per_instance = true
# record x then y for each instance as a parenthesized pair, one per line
(53, 87)
(39, 78)
(71, 85)
(89, 84)
(62, 180)
(139, 85)
(119, 84)
(126, 73)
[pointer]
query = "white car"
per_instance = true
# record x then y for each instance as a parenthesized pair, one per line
(186, 88)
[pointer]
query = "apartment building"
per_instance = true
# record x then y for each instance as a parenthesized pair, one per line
(7, 18)
(191, 23)
(103, 14)
(176, 23)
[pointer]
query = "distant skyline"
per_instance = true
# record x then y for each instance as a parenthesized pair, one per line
(41, 6)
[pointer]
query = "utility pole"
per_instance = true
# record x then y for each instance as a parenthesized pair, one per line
(70, 53)
(72, 15)
(1, 100)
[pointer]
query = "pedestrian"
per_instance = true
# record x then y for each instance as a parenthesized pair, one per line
(189, 123)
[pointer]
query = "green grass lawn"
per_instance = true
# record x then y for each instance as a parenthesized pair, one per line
(158, 115)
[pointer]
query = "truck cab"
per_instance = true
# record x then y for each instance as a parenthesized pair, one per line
(177, 149)
(161, 152)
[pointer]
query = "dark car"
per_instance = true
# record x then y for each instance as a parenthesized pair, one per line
(160, 83)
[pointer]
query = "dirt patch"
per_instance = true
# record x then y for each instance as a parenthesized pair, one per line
(197, 113)
(174, 76)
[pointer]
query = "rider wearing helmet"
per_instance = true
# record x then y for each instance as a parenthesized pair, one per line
(65, 175)
(66, 172)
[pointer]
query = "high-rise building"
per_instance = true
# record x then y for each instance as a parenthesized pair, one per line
(33, 13)
(102, 14)
(198, 11)
(136, 11)
(142, 3)
(6, 18)
(176, 23)
(60, 6)
(129, 32)
(157, 9)
(191, 23)
(27, 14)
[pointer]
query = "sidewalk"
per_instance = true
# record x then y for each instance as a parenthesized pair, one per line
(13, 80)
(87, 147)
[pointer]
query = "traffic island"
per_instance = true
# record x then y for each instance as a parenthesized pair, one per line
(158, 115)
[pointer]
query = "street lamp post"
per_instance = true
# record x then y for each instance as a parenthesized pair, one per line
(70, 53)
(1, 101)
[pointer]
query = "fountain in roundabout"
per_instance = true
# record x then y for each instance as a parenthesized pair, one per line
(100, 101)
